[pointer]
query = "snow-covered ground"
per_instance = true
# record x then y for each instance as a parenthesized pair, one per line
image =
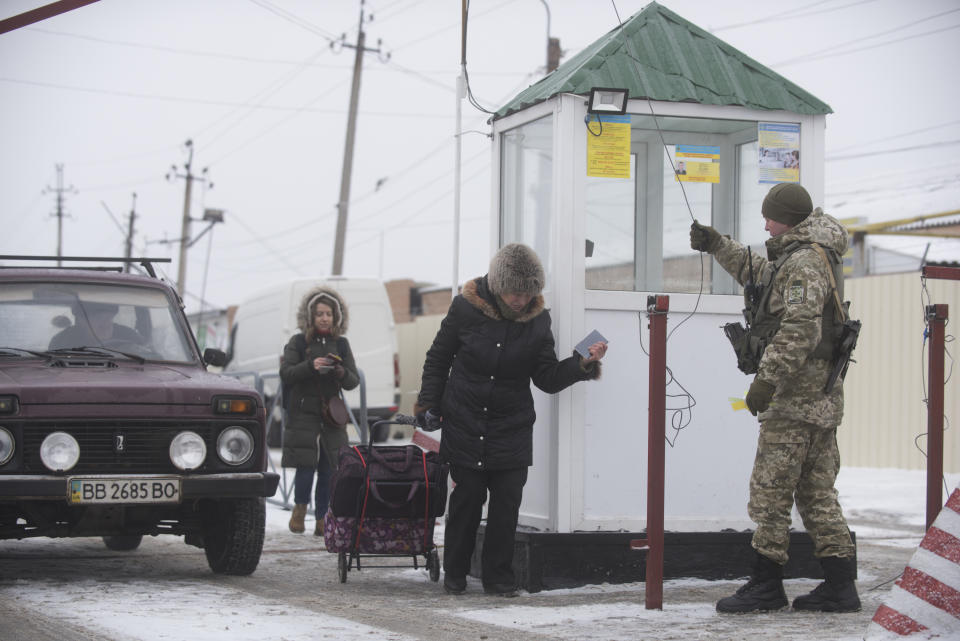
(884, 507)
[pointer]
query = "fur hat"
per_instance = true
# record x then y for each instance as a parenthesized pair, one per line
(515, 269)
(787, 203)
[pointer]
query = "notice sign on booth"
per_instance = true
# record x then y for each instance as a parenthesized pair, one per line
(779, 145)
(697, 164)
(608, 146)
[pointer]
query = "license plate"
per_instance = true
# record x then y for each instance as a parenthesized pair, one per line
(121, 490)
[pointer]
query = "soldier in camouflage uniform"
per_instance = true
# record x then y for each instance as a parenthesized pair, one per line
(797, 456)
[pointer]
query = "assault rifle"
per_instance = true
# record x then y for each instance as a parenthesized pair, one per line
(739, 333)
(842, 356)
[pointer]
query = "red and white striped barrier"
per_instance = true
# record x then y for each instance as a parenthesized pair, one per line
(925, 602)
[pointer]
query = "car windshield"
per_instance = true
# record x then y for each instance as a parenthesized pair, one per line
(64, 316)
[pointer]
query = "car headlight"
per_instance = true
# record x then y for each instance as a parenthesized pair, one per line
(188, 451)
(59, 451)
(7, 445)
(234, 445)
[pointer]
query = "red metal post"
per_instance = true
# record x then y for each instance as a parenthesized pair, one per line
(657, 307)
(41, 13)
(936, 323)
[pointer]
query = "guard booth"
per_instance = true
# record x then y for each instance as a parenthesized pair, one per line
(606, 201)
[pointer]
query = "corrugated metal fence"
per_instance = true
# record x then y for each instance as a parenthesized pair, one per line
(885, 419)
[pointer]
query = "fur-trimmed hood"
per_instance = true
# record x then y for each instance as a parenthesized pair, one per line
(341, 315)
(477, 293)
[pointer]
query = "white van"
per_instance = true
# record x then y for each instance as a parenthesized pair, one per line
(265, 322)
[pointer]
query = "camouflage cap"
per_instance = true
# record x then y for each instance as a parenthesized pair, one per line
(787, 203)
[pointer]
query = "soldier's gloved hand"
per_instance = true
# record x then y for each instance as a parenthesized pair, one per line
(759, 395)
(703, 237)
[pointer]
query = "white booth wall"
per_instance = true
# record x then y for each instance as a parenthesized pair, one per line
(590, 441)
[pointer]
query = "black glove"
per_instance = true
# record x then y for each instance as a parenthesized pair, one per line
(759, 395)
(430, 420)
(703, 237)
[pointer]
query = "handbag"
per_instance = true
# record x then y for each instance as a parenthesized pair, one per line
(390, 481)
(335, 412)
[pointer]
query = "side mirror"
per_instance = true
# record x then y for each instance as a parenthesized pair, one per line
(215, 357)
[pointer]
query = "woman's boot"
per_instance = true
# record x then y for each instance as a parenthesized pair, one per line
(296, 518)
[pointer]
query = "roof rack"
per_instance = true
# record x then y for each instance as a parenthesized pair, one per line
(146, 263)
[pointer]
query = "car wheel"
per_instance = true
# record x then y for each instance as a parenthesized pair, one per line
(233, 532)
(123, 543)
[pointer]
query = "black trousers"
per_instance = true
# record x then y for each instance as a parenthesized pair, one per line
(465, 510)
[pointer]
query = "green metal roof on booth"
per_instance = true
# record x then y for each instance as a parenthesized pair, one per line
(675, 61)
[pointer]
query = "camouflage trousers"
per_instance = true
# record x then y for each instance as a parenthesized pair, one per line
(797, 460)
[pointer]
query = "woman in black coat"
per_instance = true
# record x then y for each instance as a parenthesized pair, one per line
(316, 363)
(494, 340)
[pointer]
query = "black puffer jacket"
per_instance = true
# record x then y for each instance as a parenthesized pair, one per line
(478, 372)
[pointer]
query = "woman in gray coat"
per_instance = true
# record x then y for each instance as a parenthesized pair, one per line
(317, 363)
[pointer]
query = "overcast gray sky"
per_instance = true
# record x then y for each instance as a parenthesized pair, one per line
(113, 90)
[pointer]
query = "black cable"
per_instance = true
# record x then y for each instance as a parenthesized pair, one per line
(466, 76)
(683, 415)
(678, 422)
(587, 123)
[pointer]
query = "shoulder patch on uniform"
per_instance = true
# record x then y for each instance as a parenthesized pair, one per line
(796, 293)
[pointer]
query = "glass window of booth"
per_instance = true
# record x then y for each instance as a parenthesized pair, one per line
(639, 227)
(526, 185)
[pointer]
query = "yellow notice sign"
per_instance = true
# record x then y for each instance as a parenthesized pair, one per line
(698, 164)
(608, 146)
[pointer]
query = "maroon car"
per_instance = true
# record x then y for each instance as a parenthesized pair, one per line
(111, 425)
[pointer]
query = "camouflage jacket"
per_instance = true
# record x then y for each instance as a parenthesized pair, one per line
(801, 290)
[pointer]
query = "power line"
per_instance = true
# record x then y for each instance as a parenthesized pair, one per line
(881, 152)
(175, 50)
(785, 15)
(222, 103)
(859, 49)
(260, 97)
(266, 61)
(903, 135)
(294, 19)
(870, 37)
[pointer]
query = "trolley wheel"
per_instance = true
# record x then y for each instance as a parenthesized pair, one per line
(342, 566)
(433, 565)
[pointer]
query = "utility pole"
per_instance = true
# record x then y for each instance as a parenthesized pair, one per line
(185, 223)
(60, 190)
(553, 45)
(458, 149)
(128, 250)
(348, 146)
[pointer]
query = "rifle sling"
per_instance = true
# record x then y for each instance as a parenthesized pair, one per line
(833, 281)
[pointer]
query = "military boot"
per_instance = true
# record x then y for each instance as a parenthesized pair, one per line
(296, 518)
(763, 592)
(837, 593)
